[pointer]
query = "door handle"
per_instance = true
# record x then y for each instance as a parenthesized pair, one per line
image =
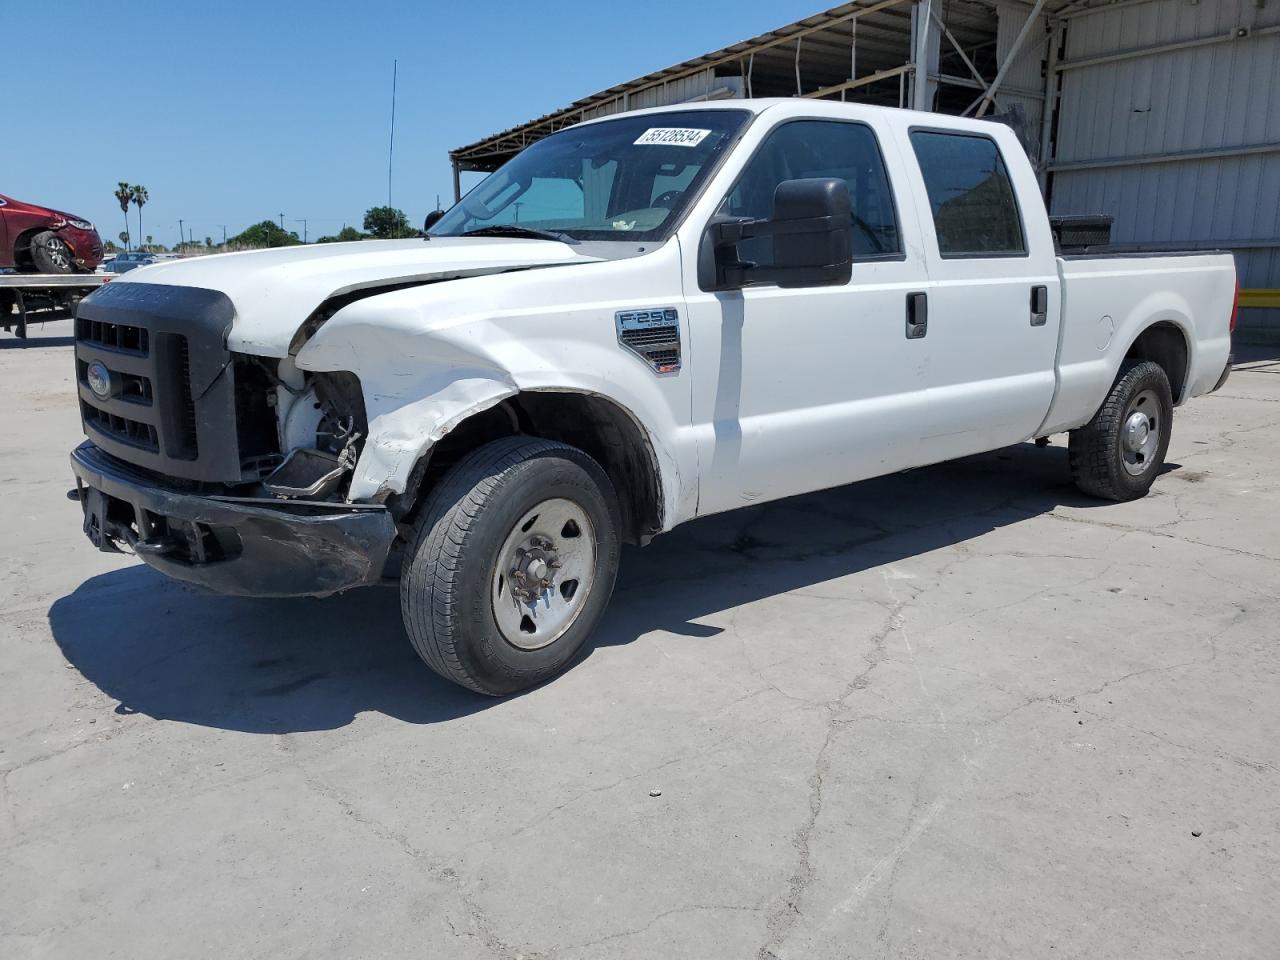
(1039, 306)
(917, 315)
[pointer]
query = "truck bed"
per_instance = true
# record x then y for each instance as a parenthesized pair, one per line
(1109, 297)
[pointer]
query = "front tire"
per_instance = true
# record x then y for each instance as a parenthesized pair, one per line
(511, 564)
(50, 254)
(1118, 454)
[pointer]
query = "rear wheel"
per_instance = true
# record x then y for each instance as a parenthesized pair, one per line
(1118, 454)
(512, 564)
(50, 254)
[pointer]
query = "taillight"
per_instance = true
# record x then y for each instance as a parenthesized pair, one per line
(1235, 307)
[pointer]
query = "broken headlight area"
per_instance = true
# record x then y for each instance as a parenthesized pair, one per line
(308, 444)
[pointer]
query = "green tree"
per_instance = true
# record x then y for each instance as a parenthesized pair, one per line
(139, 195)
(109, 247)
(265, 234)
(345, 235)
(388, 223)
(124, 194)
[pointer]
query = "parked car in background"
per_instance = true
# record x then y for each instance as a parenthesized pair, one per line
(124, 262)
(35, 239)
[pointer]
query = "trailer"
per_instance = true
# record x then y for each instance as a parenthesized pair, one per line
(37, 297)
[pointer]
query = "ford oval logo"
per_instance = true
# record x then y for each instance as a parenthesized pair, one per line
(99, 379)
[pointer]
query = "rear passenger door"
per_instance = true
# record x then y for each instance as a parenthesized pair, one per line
(994, 302)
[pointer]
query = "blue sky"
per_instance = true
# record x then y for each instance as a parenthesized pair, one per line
(234, 111)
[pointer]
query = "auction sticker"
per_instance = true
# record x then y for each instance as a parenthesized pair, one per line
(672, 136)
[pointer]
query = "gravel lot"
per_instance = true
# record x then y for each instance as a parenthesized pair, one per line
(960, 712)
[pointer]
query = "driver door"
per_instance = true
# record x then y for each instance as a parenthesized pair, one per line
(800, 389)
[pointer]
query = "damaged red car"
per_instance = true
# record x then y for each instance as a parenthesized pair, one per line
(35, 239)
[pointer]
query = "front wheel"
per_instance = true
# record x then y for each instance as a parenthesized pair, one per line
(50, 254)
(511, 565)
(1118, 454)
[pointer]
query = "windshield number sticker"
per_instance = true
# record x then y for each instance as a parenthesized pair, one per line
(671, 137)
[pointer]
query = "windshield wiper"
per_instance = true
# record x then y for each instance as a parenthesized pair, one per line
(515, 230)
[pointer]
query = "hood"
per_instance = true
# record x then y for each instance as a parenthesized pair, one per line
(274, 291)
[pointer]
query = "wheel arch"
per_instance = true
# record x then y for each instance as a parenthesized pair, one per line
(599, 426)
(22, 246)
(1165, 342)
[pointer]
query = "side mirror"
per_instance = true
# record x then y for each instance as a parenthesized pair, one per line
(432, 217)
(810, 228)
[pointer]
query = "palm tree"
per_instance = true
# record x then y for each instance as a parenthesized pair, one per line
(124, 193)
(139, 195)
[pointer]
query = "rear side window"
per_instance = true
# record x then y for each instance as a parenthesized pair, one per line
(975, 212)
(801, 149)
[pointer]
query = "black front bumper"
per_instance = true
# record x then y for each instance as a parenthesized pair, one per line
(233, 545)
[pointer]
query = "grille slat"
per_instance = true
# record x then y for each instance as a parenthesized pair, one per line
(133, 432)
(642, 338)
(122, 337)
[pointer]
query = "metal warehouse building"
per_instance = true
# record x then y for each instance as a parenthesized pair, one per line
(1163, 113)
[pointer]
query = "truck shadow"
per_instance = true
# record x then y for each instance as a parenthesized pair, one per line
(281, 666)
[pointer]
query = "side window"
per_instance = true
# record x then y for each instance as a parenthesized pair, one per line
(820, 148)
(975, 212)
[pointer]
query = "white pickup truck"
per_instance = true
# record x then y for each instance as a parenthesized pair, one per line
(637, 321)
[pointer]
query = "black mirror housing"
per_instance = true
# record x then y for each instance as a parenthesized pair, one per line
(810, 228)
(431, 220)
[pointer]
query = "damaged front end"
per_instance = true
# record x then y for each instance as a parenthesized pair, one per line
(320, 426)
(218, 468)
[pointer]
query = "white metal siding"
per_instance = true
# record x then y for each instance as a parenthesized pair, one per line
(1122, 125)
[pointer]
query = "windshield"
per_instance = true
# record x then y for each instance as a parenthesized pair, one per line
(624, 179)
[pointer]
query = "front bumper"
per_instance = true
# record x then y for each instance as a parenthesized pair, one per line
(251, 547)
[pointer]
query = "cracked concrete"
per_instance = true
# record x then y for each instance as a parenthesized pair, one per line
(957, 712)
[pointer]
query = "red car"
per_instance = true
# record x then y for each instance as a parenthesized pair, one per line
(39, 240)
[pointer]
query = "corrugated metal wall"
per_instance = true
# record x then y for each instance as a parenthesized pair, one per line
(1023, 84)
(1130, 128)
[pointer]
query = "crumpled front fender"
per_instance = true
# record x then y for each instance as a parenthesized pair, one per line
(416, 389)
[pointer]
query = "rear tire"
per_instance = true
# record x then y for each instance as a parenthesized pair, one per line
(511, 564)
(1118, 454)
(50, 253)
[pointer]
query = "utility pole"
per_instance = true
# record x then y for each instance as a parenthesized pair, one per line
(224, 233)
(181, 235)
(391, 149)
(303, 221)
(282, 221)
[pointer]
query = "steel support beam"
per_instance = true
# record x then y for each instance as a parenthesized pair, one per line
(861, 82)
(1102, 163)
(1241, 33)
(922, 26)
(1052, 87)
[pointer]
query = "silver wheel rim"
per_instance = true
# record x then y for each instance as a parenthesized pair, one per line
(57, 251)
(1140, 434)
(544, 574)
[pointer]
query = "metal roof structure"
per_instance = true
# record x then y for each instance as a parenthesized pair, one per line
(865, 50)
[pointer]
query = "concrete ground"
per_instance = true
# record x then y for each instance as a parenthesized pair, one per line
(962, 712)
